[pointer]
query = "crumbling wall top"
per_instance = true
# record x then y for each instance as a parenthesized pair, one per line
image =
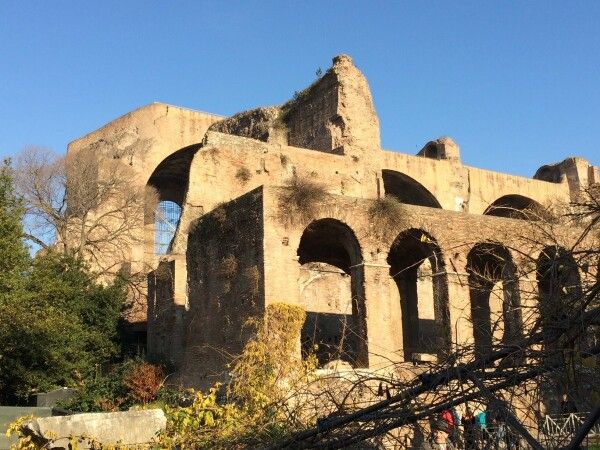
(577, 172)
(335, 114)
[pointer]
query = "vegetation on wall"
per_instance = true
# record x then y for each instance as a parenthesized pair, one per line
(386, 216)
(243, 175)
(302, 198)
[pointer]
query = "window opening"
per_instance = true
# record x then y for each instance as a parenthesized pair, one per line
(168, 214)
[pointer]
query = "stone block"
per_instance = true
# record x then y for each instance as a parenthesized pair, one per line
(126, 427)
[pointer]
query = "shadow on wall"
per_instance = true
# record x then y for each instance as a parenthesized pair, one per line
(407, 190)
(324, 334)
(517, 207)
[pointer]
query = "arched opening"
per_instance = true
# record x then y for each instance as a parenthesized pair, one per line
(407, 190)
(495, 299)
(560, 296)
(167, 217)
(332, 293)
(417, 266)
(559, 284)
(516, 207)
(169, 183)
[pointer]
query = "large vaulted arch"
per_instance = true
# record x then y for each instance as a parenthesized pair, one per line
(516, 206)
(168, 184)
(407, 190)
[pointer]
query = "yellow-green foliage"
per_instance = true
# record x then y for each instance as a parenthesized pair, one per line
(256, 408)
(268, 364)
(205, 420)
(15, 429)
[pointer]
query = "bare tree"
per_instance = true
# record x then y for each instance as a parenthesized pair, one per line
(86, 204)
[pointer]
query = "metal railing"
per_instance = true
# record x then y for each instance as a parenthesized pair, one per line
(557, 430)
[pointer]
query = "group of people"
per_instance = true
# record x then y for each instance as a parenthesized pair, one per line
(485, 429)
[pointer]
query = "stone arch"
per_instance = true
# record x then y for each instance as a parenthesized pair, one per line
(516, 206)
(332, 293)
(559, 283)
(560, 293)
(417, 266)
(494, 295)
(169, 182)
(407, 190)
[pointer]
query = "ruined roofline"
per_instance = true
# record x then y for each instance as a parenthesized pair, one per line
(136, 111)
(334, 114)
(536, 177)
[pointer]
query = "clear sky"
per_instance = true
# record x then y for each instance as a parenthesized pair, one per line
(515, 83)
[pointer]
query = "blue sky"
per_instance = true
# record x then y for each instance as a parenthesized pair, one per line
(516, 84)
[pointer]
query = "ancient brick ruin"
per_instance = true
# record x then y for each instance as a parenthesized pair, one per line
(287, 204)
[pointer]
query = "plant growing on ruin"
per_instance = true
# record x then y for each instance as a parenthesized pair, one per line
(302, 198)
(228, 266)
(386, 216)
(254, 409)
(243, 175)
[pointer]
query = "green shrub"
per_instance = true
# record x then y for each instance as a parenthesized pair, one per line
(59, 329)
(133, 382)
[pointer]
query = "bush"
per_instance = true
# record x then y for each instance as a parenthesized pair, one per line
(143, 381)
(59, 329)
(124, 385)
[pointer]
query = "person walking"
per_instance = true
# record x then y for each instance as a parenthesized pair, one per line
(469, 432)
(440, 432)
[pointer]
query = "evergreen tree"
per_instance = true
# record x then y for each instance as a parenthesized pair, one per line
(60, 331)
(14, 257)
